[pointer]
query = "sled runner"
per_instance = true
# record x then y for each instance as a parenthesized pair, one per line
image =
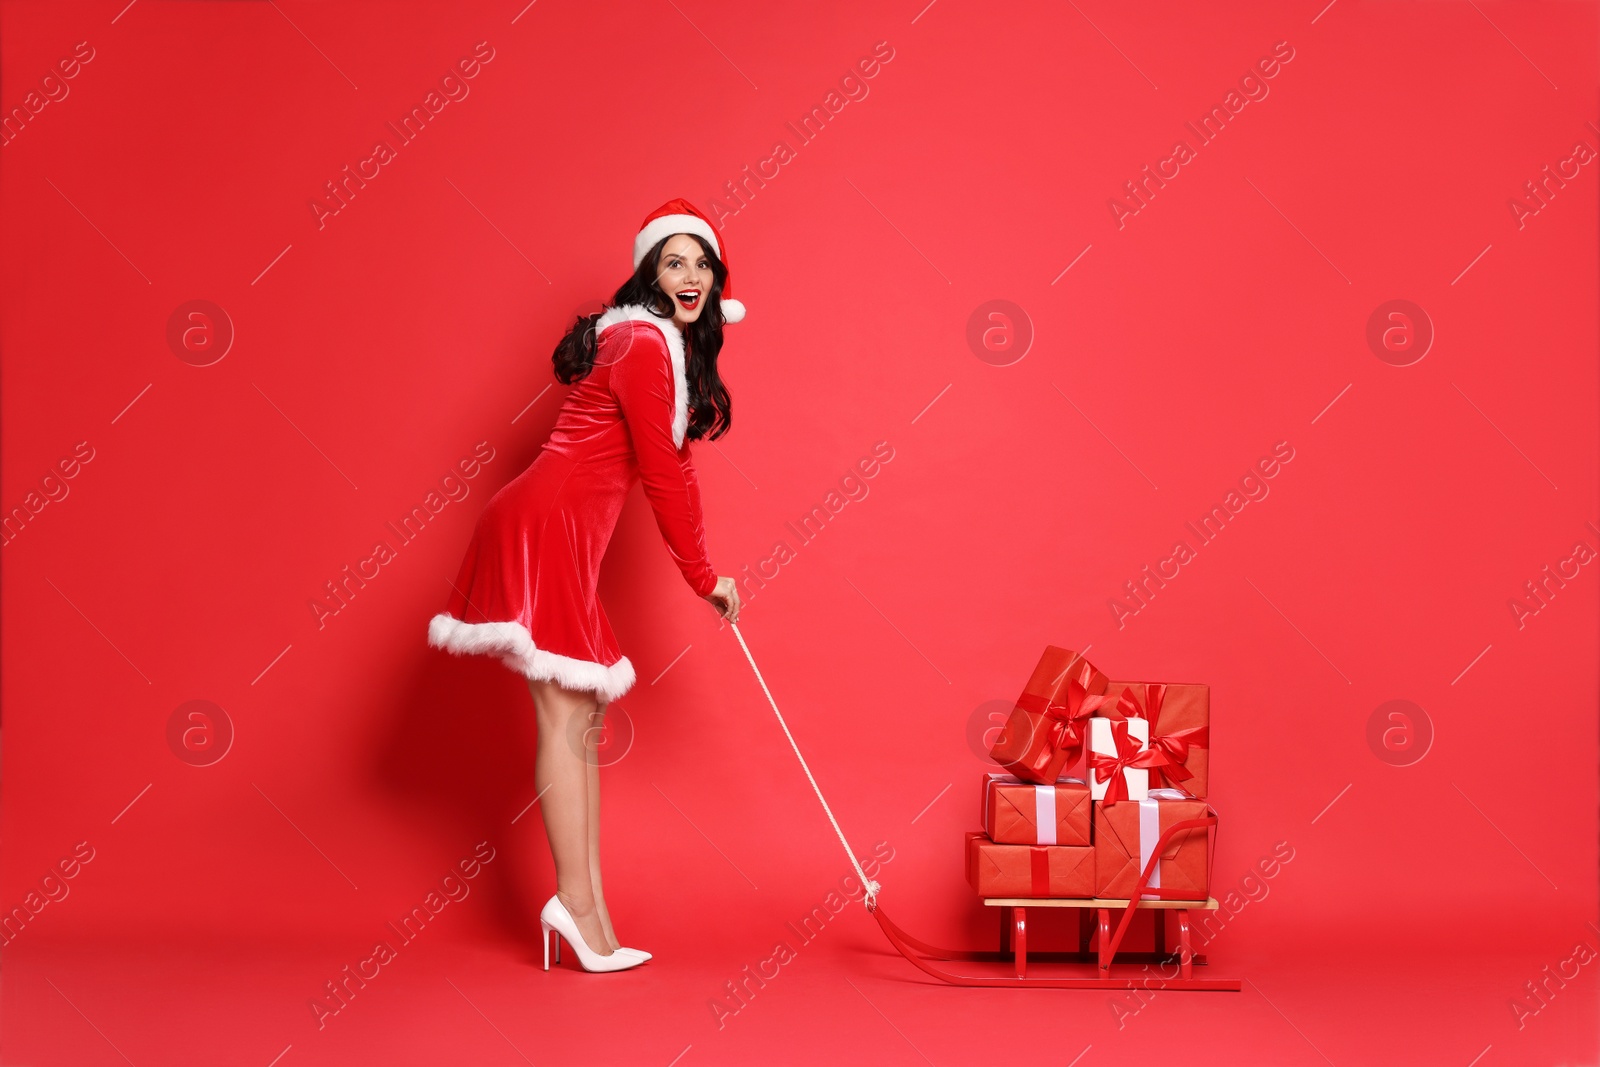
(1096, 917)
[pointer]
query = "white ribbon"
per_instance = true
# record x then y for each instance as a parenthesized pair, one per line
(1044, 813)
(1149, 834)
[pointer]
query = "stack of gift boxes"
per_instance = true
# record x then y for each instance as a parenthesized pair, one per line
(1095, 771)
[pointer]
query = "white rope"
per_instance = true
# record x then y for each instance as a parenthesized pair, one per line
(868, 884)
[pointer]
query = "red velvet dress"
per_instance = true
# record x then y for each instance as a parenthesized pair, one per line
(526, 589)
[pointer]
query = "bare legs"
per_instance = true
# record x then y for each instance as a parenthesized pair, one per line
(567, 775)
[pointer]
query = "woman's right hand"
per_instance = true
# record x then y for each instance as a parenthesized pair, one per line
(725, 598)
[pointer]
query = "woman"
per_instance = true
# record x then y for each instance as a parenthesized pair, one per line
(646, 374)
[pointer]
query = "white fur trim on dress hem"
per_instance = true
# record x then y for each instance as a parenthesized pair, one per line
(512, 642)
(669, 330)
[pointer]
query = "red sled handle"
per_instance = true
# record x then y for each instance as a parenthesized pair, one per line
(1143, 888)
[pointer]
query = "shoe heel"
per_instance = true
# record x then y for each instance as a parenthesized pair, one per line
(545, 932)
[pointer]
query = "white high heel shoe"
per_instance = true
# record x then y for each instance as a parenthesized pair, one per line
(554, 918)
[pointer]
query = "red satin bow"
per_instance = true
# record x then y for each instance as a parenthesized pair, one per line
(1174, 745)
(1130, 755)
(1064, 720)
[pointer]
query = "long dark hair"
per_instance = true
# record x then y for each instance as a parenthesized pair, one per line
(710, 406)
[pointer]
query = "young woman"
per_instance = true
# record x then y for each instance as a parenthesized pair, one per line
(647, 383)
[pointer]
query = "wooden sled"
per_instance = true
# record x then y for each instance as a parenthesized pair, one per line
(1098, 942)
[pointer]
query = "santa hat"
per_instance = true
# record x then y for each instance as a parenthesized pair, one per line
(680, 216)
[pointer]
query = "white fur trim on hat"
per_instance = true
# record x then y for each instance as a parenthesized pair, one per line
(669, 330)
(667, 225)
(733, 310)
(512, 642)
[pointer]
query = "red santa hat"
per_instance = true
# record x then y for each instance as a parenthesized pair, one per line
(680, 216)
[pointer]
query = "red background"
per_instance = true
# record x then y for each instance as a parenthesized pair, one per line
(371, 354)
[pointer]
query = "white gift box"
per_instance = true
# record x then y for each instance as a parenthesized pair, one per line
(1137, 778)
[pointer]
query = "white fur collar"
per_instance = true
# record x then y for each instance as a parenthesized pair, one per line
(669, 330)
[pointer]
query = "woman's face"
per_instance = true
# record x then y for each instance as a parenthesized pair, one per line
(684, 274)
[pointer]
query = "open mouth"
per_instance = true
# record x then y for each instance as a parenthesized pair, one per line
(689, 298)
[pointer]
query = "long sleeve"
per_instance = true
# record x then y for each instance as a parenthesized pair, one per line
(642, 382)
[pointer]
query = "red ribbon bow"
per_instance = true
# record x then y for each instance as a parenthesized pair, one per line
(1064, 720)
(1130, 755)
(1174, 745)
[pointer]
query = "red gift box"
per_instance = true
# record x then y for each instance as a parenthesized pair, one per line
(1047, 729)
(1022, 813)
(1179, 714)
(1125, 836)
(1029, 870)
